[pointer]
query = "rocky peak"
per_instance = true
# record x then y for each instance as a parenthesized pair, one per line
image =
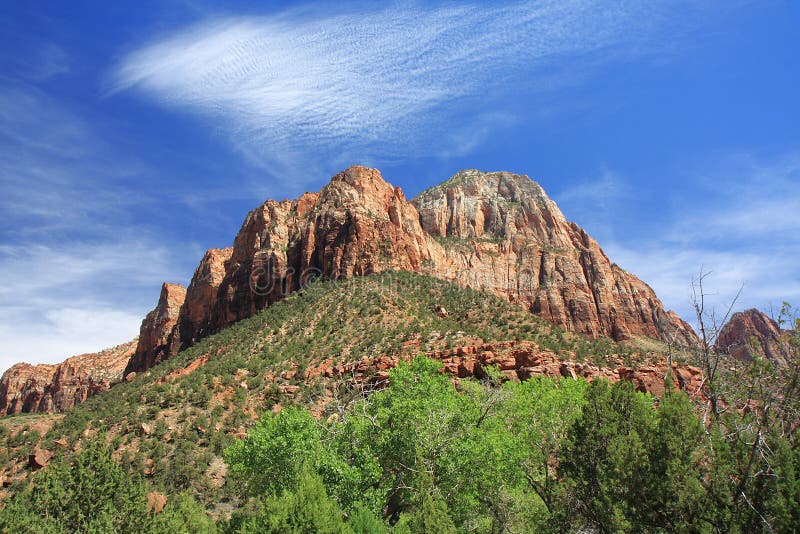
(368, 184)
(157, 328)
(753, 333)
(361, 190)
(500, 232)
(475, 204)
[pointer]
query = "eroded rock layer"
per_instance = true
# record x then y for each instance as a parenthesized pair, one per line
(157, 329)
(520, 360)
(500, 232)
(46, 388)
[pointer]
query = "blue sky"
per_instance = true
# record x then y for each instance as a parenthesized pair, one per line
(132, 139)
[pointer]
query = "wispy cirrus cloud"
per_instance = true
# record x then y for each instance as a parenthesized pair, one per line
(300, 87)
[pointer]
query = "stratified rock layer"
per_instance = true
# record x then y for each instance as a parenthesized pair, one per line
(52, 388)
(752, 333)
(194, 315)
(493, 231)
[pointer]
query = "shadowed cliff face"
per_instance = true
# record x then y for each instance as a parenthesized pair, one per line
(493, 231)
(752, 333)
(54, 388)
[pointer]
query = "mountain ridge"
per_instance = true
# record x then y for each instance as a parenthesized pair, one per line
(45, 388)
(360, 224)
(493, 231)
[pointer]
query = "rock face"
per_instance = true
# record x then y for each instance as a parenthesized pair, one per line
(521, 360)
(492, 231)
(195, 313)
(157, 329)
(500, 232)
(752, 333)
(54, 388)
(357, 225)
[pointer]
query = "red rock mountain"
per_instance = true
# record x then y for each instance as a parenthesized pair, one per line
(493, 231)
(53, 388)
(752, 333)
(500, 232)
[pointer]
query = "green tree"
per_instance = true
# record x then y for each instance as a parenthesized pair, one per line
(430, 515)
(629, 467)
(307, 508)
(90, 494)
(182, 514)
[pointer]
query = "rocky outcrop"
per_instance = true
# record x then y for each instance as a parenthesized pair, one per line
(357, 225)
(521, 360)
(195, 313)
(47, 388)
(157, 328)
(752, 333)
(500, 232)
(492, 231)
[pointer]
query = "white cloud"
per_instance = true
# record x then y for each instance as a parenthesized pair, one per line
(61, 333)
(740, 223)
(56, 301)
(768, 273)
(301, 87)
(745, 197)
(77, 274)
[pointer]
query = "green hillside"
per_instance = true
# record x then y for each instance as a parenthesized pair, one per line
(421, 456)
(194, 417)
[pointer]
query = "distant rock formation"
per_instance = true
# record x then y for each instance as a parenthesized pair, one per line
(47, 388)
(497, 232)
(752, 333)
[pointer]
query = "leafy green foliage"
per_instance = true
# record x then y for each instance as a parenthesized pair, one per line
(306, 508)
(94, 494)
(425, 456)
(631, 468)
(544, 455)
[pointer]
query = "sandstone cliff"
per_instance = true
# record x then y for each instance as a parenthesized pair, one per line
(752, 333)
(195, 312)
(49, 388)
(493, 231)
(157, 329)
(500, 232)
